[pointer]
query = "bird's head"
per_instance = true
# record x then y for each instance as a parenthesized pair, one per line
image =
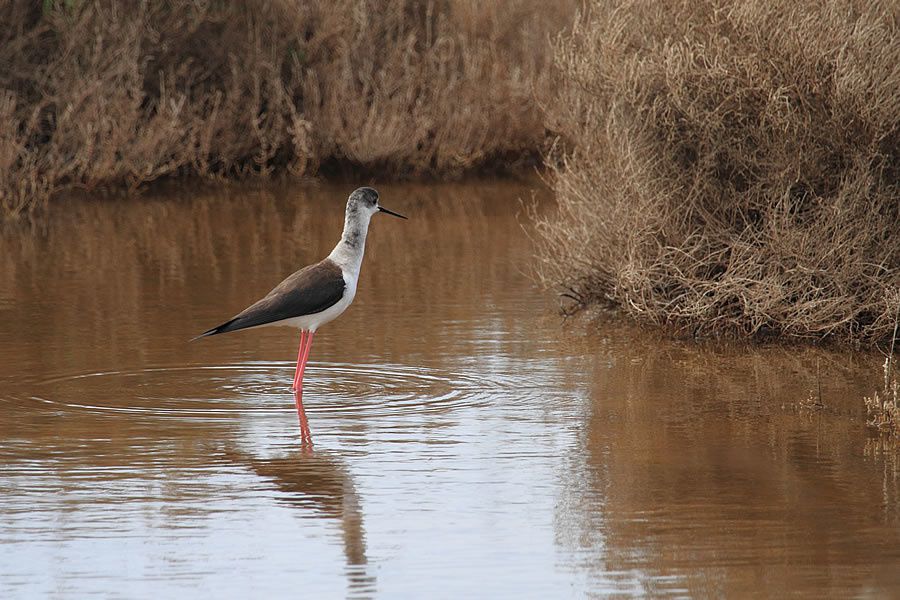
(365, 200)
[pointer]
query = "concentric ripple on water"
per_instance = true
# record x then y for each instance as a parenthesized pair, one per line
(262, 388)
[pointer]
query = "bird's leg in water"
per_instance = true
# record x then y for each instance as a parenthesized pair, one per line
(306, 340)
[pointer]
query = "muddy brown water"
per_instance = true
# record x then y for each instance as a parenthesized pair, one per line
(468, 443)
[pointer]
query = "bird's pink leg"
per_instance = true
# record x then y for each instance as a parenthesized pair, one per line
(305, 435)
(298, 384)
(299, 359)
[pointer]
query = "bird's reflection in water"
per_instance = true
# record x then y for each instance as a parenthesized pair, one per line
(320, 481)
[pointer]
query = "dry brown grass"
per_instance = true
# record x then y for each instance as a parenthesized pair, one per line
(883, 411)
(100, 93)
(736, 166)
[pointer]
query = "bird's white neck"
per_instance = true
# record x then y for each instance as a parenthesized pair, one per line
(348, 253)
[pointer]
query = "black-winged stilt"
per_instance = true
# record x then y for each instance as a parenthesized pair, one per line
(316, 294)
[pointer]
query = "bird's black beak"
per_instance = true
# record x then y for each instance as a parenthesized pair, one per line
(390, 212)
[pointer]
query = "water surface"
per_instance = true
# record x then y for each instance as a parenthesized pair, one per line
(467, 441)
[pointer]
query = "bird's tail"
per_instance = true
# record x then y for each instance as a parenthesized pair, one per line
(223, 328)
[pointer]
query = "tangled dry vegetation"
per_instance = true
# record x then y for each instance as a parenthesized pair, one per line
(736, 166)
(100, 93)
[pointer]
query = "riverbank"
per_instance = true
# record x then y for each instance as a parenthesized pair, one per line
(735, 168)
(724, 169)
(99, 95)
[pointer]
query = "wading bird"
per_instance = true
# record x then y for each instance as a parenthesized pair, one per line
(316, 294)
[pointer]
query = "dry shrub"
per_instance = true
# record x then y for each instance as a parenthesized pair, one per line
(735, 166)
(102, 92)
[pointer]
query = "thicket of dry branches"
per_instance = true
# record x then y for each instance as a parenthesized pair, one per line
(102, 92)
(736, 166)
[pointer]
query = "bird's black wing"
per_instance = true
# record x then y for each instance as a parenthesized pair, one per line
(308, 291)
